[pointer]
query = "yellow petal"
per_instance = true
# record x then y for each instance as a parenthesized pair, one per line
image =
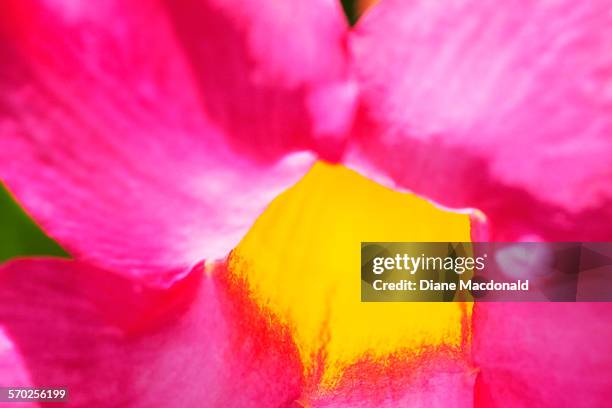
(301, 260)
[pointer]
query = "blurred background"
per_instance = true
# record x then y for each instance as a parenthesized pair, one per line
(19, 235)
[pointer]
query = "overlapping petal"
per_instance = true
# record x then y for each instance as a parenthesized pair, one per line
(113, 342)
(505, 107)
(273, 75)
(501, 106)
(146, 136)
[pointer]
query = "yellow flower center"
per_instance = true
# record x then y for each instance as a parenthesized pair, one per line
(301, 261)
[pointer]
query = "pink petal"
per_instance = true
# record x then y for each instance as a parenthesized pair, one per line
(145, 159)
(543, 354)
(12, 368)
(434, 379)
(501, 106)
(112, 342)
(278, 77)
(13, 372)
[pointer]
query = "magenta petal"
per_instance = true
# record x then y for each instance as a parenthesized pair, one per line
(272, 74)
(145, 159)
(502, 106)
(12, 368)
(115, 343)
(433, 380)
(543, 354)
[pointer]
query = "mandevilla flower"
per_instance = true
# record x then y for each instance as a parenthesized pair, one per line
(169, 147)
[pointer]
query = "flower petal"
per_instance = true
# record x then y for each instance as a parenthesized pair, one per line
(505, 107)
(12, 368)
(432, 381)
(543, 354)
(113, 342)
(272, 74)
(139, 159)
(300, 261)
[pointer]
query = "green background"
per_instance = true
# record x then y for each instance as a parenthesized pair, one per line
(19, 235)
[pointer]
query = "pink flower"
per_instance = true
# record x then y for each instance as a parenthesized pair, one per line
(505, 107)
(147, 136)
(501, 107)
